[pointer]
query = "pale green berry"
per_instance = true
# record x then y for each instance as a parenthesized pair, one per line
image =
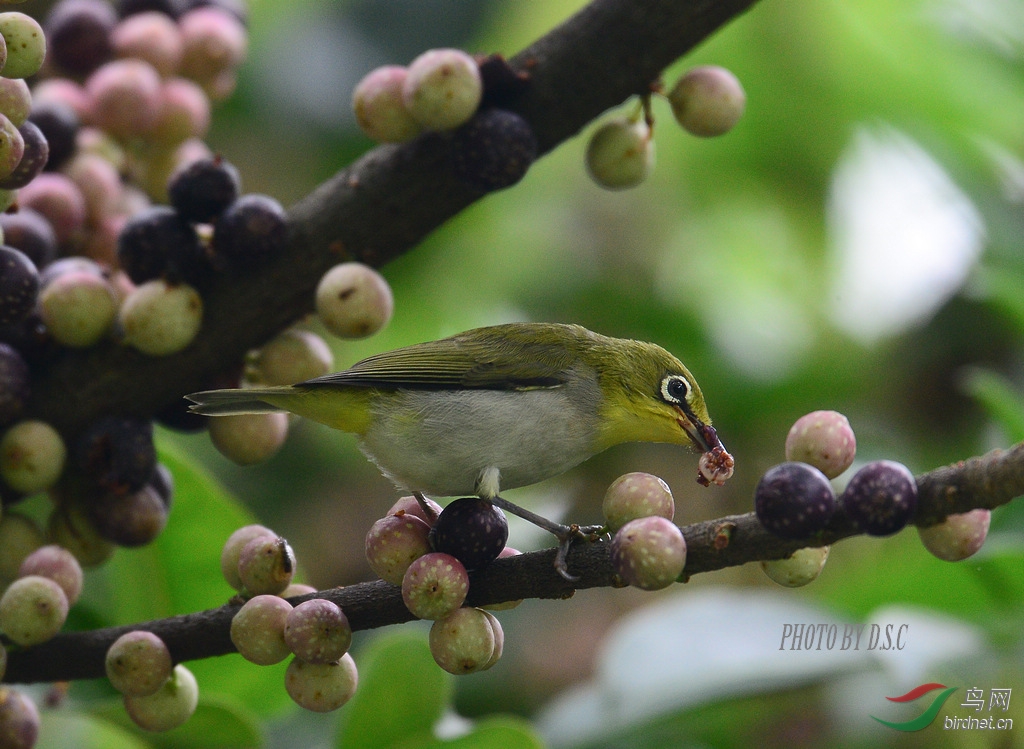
(463, 642)
(78, 308)
(257, 630)
(32, 610)
(393, 543)
(353, 300)
(708, 101)
(292, 356)
(138, 663)
(435, 585)
(801, 567)
(15, 100)
(958, 536)
(247, 439)
(170, 706)
(32, 456)
(26, 45)
(58, 564)
(499, 640)
(233, 550)
(620, 154)
(649, 553)
(160, 319)
(19, 720)
(69, 527)
(636, 495)
(321, 687)
(266, 565)
(824, 440)
(317, 631)
(442, 88)
(379, 108)
(19, 537)
(12, 147)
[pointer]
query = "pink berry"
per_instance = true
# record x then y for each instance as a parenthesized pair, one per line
(824, 440)
(958, 536)
(125, 97)
(138, 663)
(257, 630)
(435, 585)
(19, 720)
(636, 495)
(59, 565)
(317, 631)
(393, 543)
(649, 553)
(233, 550)
(708, 101)
(266, 565)
(379, 108)
(150, 36)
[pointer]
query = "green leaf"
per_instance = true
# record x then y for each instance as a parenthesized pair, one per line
(498, 732)
(66, 729)
(219, 722)
(401, 695)
(1000, 399)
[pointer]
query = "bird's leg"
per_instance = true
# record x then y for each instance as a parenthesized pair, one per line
(428, 511)
(565, 534)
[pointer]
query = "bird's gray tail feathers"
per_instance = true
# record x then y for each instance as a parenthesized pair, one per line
(230, 402)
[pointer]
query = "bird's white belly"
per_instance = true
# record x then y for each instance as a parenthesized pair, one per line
(439, 442)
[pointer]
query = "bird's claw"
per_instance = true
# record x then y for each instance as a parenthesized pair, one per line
(566, 537)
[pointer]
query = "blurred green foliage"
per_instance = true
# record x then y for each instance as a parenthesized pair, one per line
(729, 257)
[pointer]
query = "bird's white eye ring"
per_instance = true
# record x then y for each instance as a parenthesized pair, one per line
(675, 389)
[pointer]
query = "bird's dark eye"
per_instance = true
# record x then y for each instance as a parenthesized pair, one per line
(675, 389)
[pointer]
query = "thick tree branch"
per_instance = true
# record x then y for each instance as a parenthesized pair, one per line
(382, 206)
(986, 482)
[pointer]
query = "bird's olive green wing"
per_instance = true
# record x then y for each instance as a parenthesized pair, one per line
(497, 358)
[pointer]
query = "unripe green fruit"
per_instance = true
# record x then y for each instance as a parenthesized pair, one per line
(353, 300)
(321, 687)
(160, 319)
(32, 456)
(58, 564)
(170, 706)
(138, 663)
(958, 536)
(434, 586)
(257, 630)
(708, 101)
(15, 100)
(379, 108)
(499, 639)
(824, 440)
(620, 154)
(442, 88)
(803, 566)
(19, 720)
(649, 553)
(393, 543)
(78, 308)
(12, 147)
(292, 356)
(317, 631)
(266, 565)
(233, 550)
(247, 439)
(19, 537)
(26, 45)
(636, 495)
(463, 642)
(32, 610)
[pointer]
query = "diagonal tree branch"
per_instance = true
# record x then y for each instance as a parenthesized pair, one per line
(382, 206)
(987, 482)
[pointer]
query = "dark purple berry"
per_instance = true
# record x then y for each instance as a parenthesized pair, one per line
(204, 189)
(78, 35)
(254, 228)
(59, 125)
(794, 500)
(28, 231)
(472, 530)
(493, 150)
(37, 153)
(32, 339)
(117, 454)
(157, 243)
(19, 286)
(130, 520)
(14, 384)
(881, 497)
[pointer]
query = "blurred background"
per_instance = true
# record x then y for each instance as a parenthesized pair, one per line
(855, 243)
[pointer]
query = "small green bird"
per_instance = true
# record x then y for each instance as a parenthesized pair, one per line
(499, 407)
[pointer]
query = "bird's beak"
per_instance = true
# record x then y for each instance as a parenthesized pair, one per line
(702, 435)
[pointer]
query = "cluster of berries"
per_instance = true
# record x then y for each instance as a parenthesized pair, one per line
(429, 552)
(795, 499)
(445, 91)
(706, 101)
(267, 629)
